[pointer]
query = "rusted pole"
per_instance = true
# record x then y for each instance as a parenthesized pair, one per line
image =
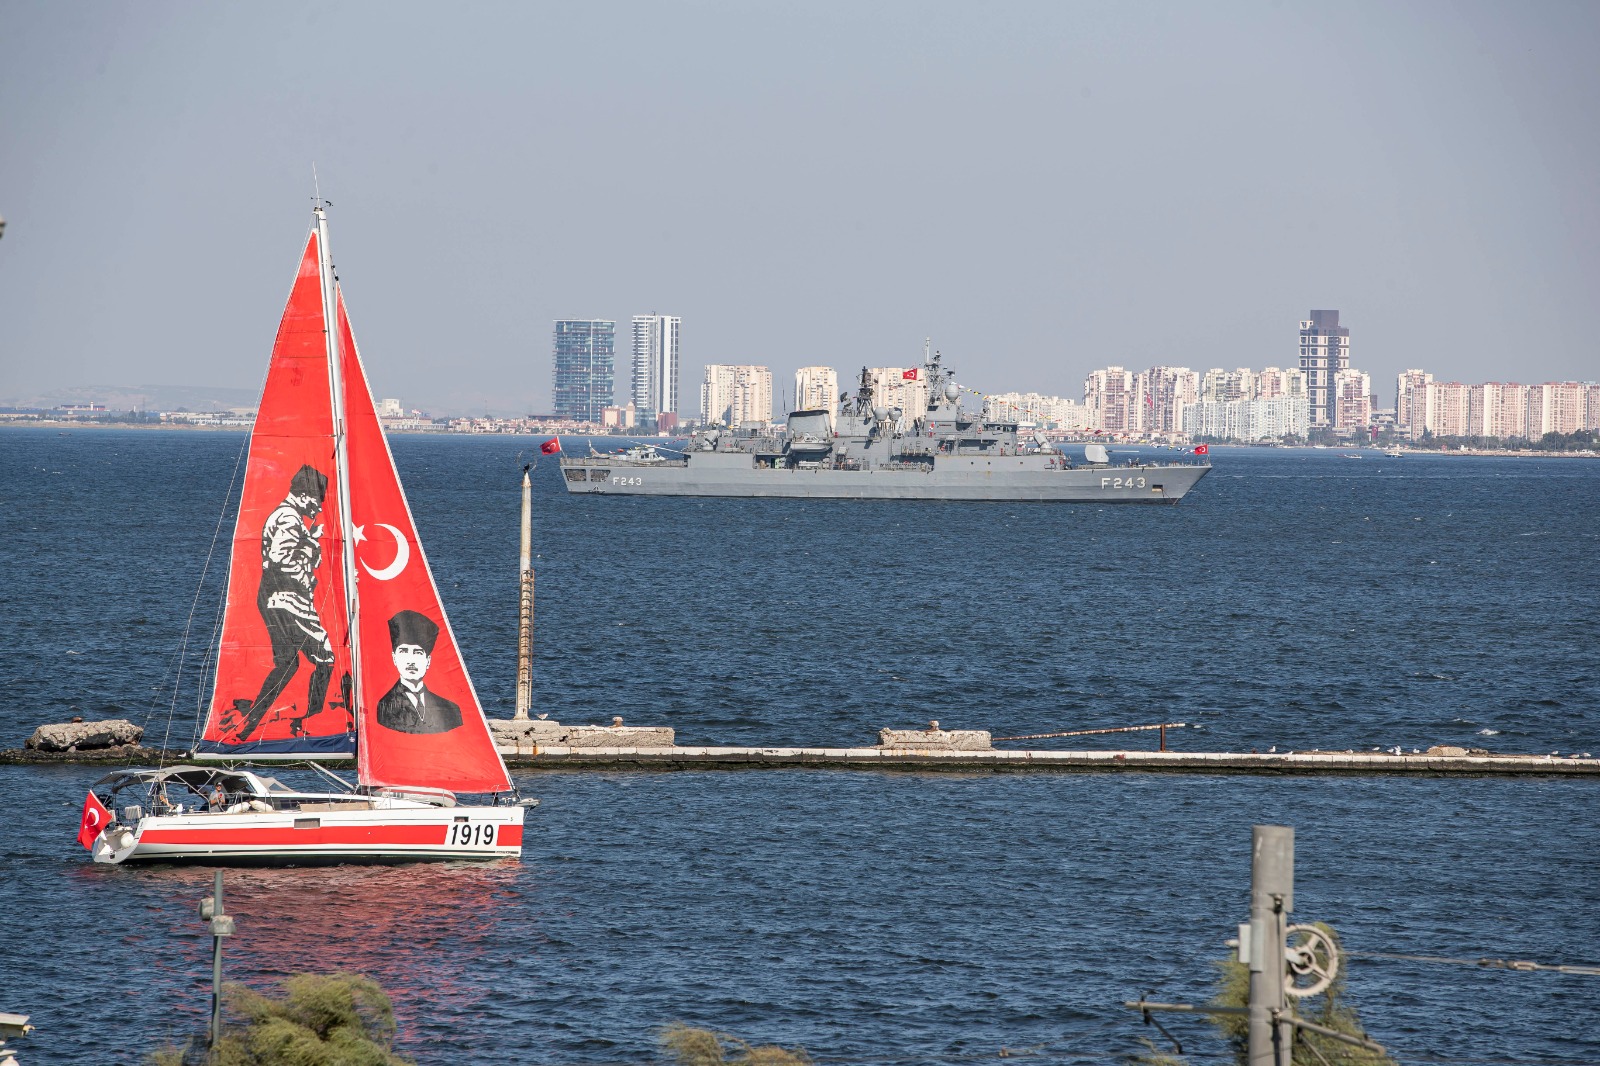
(525, 622)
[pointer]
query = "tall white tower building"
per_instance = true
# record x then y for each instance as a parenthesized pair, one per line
(1324, 351)
(655, 365)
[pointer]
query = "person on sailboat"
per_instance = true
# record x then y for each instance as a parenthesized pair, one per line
(410, 707)
(290, 555)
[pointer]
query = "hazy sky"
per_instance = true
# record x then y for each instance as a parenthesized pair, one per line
(1042, 188)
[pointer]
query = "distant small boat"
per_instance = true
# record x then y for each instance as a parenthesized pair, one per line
(1349, 455)
(1393, 453)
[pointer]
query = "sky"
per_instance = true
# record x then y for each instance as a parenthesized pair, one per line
(1041, 188)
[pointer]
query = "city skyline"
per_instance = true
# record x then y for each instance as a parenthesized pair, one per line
(1157, 157)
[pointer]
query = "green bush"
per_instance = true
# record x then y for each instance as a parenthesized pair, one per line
(338, 1019)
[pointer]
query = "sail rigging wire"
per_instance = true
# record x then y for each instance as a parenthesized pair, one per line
(194, 605)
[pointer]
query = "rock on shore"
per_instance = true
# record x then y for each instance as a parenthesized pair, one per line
(86, 736)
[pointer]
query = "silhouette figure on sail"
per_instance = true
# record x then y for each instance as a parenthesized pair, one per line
(290, 556)
(410, 707)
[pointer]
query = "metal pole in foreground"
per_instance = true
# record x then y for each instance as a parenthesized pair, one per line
(1271, 901)
(221, 925)
(216, 967)
(525, 623)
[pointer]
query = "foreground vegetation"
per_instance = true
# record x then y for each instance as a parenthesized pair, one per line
(338, 1019)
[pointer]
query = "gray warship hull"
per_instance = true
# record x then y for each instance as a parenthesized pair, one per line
(1017, 478)
(867, 450)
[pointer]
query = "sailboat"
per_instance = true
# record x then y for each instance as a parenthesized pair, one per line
(334, 643)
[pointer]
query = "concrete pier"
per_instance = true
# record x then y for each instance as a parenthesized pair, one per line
(999, 761)
(540, 744)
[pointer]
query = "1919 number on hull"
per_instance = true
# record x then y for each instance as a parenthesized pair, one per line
(1130, 482)
(468, 835)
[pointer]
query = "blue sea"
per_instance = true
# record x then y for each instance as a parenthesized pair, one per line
(1296, 599)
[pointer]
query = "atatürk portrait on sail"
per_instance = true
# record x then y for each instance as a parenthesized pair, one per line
(410, 707)
(290, 556)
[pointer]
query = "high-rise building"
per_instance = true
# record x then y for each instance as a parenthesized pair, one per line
(1352, 401)
(816, 388)
(1413, 413)
(1108, 394)
(1451, 404)
(585, 367)
(892, 388)
(736, 395)
(1048, 412)
(1324, 351)
(1163, 395)
(1261, 419)
(655, 366)
(1276, 383)
(1220, 386)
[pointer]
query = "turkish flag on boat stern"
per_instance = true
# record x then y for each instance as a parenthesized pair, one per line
(551, 446)
(95, 817)
(1202, 449)
(910, 375)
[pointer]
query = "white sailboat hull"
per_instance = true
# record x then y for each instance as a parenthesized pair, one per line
(396, 834)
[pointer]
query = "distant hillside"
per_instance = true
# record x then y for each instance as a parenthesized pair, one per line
(143, 397)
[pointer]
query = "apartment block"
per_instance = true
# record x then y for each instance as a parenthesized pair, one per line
(816, 388)
(736, 395)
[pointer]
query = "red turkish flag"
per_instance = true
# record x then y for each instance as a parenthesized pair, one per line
(551, 446)
(1202, 449)
(95, 817)
(910, 375)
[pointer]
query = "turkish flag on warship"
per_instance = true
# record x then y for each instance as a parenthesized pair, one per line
(910, 375)
(551, 446)
(95, 817)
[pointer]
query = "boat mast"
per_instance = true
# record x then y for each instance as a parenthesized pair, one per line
(341, 458)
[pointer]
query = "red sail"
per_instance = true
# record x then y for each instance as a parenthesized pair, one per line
(283, 668)
(420, 721)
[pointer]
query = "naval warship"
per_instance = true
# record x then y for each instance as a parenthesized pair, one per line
(867, 451)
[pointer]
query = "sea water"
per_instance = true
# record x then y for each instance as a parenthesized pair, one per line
(1295, 600)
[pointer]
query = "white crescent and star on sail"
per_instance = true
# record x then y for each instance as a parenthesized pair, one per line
(402, 554)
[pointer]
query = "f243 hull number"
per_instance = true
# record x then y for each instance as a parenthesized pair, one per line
(468, 835)
(620, 480)
(1130, 482)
